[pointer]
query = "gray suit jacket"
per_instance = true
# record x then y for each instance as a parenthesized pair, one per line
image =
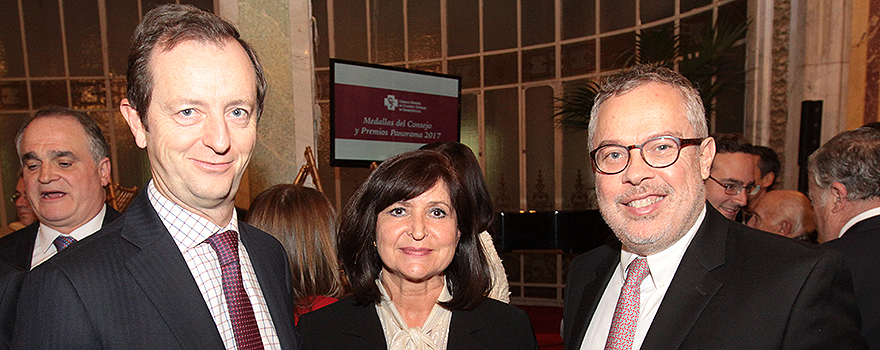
(128, 287)
(735, 288)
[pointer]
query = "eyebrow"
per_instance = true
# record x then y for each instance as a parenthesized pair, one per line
(52, 155)
(650, 137)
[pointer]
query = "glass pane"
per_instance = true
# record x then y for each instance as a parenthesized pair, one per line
(616, 49)
(423, 29)
(387, 30)
(13, 96)
(499, 24)
(11, 54)
(82, 27)
(538, 22)
(118, 90)
(88, 94)
(578, 18)
(692, 28)
(653, 10)
(463, 26)
(49, 93)
(730, 104)
(350, 34)
(657, 43)
(579, 58)
(616, 14)
(435, 67)
(42, 28)
(539, 64)
(470, 133)
(734, 12)
(501, 69)
(540, 178)
(122, 18)
(132, 163)
(322, 52)
(9, 125)
(687, 5)
(502, 148)
(468, 69)
(577, 173)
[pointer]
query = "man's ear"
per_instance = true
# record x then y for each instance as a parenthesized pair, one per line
(707, 156)
(838, 197)
(785, 227)
(104, 171)
(138, 129)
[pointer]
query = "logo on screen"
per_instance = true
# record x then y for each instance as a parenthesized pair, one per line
(391, 102)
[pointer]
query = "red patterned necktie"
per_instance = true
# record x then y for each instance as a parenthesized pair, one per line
(626, 314)
(62, 242)
(244, 323)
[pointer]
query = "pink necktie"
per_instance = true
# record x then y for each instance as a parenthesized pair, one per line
(244, 323)
(626, 314)
(62, 242)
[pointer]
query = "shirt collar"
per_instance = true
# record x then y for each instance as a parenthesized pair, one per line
(187, 228)
(47, 234)
(664, 264)
(856, 219)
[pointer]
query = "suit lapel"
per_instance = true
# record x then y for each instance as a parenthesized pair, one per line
(692, 286)
(464, 331)
(273, 282)
(363, 323)
(163, 275)
(593, 290)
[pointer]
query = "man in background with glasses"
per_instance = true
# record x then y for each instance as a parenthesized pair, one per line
(23, 209)
(732, 179)
(682, 276)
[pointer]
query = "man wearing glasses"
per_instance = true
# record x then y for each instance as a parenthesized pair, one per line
(682, 276)
(732, 180)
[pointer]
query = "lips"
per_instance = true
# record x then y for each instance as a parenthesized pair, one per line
(644, 202)
(416, 251)
(52, 194)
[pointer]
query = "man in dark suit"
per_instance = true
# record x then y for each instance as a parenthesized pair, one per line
(682, 276)
(10, 283)
(66, 165)
(178, 270)
(844, 175)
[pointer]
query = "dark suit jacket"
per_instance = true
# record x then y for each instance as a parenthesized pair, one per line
(10, 282)
(17, 248)
(735, 288)
(128, 287)
(859, 246)
(344, 325)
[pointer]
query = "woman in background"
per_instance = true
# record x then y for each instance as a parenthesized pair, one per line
(305, 223)
(409, 244)
(466, 163)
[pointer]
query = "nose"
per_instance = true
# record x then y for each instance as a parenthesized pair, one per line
(417, 228)
(48, 173)
(216, 134)
(741, 199)
(21, 202)
(637, 170)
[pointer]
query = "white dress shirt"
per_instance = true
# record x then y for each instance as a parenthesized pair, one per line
(190, 232)
(662, 268)
(870, 213)
(43, 247)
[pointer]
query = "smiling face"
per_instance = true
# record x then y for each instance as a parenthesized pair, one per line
(648, 208)
(735, 169)
(201, 125)
(416, 238)
(64, 184)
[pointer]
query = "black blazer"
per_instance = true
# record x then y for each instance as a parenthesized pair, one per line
(128, 287)
(735, 288)
(859, 246)
(344, 325)
(10, 282)
(17, 248)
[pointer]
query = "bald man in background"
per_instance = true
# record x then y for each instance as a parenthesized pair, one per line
(785, 213)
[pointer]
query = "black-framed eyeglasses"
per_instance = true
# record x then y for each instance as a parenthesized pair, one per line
(734, 189)
(659, 152)
(14, 197)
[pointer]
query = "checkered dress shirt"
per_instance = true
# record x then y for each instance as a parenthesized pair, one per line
(190, 232)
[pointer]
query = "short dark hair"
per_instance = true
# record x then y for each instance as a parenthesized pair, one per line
(851, 158)
(768, 160)
(402, 177)
(464, 160)
(168, 25)
(98, 146)
(732, 143)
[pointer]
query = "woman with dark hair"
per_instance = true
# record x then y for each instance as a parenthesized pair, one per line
(408, 242)
(305, 223)
(466, 163)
